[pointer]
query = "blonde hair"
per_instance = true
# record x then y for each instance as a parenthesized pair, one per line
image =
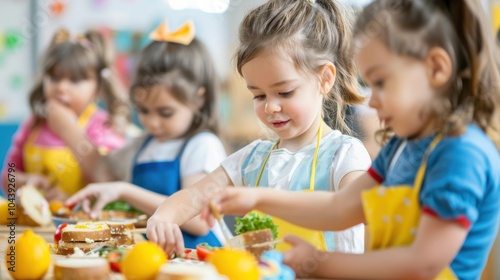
(311, 32)
(460, 27)
(83, 56)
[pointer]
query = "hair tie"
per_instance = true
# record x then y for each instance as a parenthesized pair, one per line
(184, 35)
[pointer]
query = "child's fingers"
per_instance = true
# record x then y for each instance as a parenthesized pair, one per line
(98, 206)
(151, 234)
(293, 240)
(179, 244)
(86, 205)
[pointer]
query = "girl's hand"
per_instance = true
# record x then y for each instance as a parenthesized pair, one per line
(39, 181)
(60, 118)
(99, 193)
(233, 201)
(303, 258)
(167, 235)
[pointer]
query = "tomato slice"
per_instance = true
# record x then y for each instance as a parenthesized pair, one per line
(203, 250)
(114, 259)
(58, 232)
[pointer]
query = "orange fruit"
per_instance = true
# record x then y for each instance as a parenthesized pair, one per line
(30, 258)
(143, 261)
(55, 205)
(4, 212)
(235, 264)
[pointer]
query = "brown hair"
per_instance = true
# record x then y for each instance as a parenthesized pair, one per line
(311, 32)
(83, 57)
(412, 28)
(183, 69)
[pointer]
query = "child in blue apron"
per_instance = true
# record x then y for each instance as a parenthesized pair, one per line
(430, 198)
(295, 60)
(174, 92)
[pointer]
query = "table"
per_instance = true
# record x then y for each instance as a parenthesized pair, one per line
(48, 234)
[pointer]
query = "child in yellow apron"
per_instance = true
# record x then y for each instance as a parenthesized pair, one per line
(76, 72)
(351, 240)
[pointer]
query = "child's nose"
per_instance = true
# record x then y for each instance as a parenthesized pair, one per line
(374, 102)
(272, 106)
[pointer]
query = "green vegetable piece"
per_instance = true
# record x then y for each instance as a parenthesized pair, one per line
(120, 206)
(253, 221)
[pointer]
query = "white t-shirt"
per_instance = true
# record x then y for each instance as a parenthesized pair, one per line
(285, 169)
(203, 153)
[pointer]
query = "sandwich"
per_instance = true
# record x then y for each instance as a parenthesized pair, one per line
(255, 233)
(121, 232)
(85, 236)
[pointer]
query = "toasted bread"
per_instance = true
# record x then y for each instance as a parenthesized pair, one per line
(251, 238)
(120, 227)
(81, 268)
(83, 232)
(180, 271)
(68, 248)
(122, 239)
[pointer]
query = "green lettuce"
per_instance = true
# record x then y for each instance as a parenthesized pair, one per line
(254, 221)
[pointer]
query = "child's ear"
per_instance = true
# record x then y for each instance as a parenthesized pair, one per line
(200, 97)
(439, 67)
(327, 76)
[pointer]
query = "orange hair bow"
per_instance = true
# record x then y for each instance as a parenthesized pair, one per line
(184, 35)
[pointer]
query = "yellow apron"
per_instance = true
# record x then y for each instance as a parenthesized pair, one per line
(314, 237)
(393, 213)
(56, 163)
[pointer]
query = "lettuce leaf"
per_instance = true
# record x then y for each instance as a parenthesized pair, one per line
(254, 221)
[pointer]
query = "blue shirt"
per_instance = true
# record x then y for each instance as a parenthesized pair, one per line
(462, 182)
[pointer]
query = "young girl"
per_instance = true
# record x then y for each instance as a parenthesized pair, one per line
(433, 70)
(174, 91)
(76, 71)
(294, 57)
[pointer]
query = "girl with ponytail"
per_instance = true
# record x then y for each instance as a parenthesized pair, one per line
(430, 198)
(76, 72)
(295, 57)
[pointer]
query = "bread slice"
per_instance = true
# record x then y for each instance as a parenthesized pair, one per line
(68, 248)
(122, 239)
(86, 232)
(33, 208)
(181, 271)
(251, 238)
(81, 268)
(120, 227)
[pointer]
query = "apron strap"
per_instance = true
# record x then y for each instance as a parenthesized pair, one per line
(143, 145)
(86, 114)
(419, 178)
(313, 166)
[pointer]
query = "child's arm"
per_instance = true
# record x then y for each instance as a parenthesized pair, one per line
(144, 200)
(316, 210)
(181, 207)
(64, 122)
(436, 244)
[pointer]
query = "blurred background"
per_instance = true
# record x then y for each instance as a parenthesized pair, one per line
(26, 27)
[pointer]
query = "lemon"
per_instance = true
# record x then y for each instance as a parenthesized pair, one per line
(30, 258)
(143, 261)
(4, 211)
(235, 264)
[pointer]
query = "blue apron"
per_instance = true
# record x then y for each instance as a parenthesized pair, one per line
(163, 177)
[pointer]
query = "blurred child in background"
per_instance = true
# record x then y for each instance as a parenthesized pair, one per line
(175, 93)
(76, 72)
(296, 60)
(430, 198)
